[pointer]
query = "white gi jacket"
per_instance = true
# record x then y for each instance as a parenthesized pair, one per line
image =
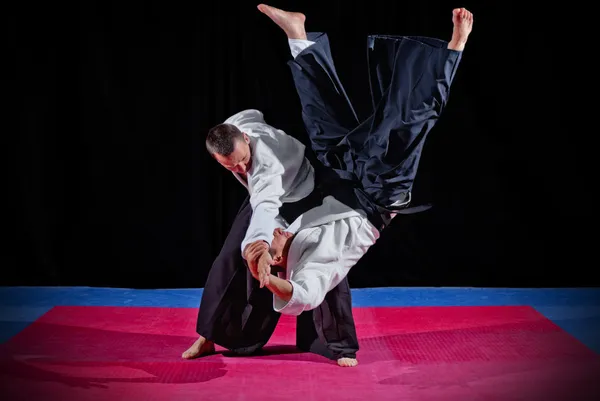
(279, 173)
(329, 240)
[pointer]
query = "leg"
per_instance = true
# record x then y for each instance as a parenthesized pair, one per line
(329, 330)
(410, 83)
(328, 115)
(326, 110)
(227, 315)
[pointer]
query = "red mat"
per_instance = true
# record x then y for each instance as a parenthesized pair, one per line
(414, 353)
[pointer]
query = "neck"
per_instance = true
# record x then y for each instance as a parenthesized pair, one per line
(286, 250)
(281, 259)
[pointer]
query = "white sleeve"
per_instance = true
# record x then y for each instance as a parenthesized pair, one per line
(309, 288)
(265, 200)
(315, 273)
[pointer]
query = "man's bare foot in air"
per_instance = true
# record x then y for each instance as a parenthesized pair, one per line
(347, 362)
(463, 24)
(200, 348)
(291, 23)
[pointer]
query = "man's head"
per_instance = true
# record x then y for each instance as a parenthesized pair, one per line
(280, 246)
(230, 147)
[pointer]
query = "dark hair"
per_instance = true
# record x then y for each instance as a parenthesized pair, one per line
(221, 139)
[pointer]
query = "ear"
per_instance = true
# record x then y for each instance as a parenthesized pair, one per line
(246, 137)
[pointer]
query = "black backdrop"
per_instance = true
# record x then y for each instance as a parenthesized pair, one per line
(111, 186)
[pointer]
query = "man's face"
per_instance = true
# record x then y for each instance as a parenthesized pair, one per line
(279, 246)
(240, 160)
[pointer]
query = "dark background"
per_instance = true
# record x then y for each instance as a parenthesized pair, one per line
(110, 184)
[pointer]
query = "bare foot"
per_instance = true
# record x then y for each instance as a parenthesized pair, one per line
(201, 347)
(347, 362)
(463, 24)
(291, 23)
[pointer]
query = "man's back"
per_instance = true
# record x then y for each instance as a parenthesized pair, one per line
(275, 152)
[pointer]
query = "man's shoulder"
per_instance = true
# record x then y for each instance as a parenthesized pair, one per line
(244, 117)
(253, 120)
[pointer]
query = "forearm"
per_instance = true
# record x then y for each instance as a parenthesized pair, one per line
(280, 288)
(255, 233)
(262, 223)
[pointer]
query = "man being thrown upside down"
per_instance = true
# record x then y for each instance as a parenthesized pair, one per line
(375, 162)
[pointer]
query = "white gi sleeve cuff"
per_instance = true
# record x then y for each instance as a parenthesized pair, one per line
(294, 306)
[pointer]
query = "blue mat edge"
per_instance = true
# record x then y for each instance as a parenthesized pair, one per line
(575, 310)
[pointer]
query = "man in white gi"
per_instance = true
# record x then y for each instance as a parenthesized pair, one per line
(234, 312)
(375, 161)
(269, 163)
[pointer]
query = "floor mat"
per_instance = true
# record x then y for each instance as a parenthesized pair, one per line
(411, 353)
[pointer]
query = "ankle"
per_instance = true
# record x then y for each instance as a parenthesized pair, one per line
(457, 44)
